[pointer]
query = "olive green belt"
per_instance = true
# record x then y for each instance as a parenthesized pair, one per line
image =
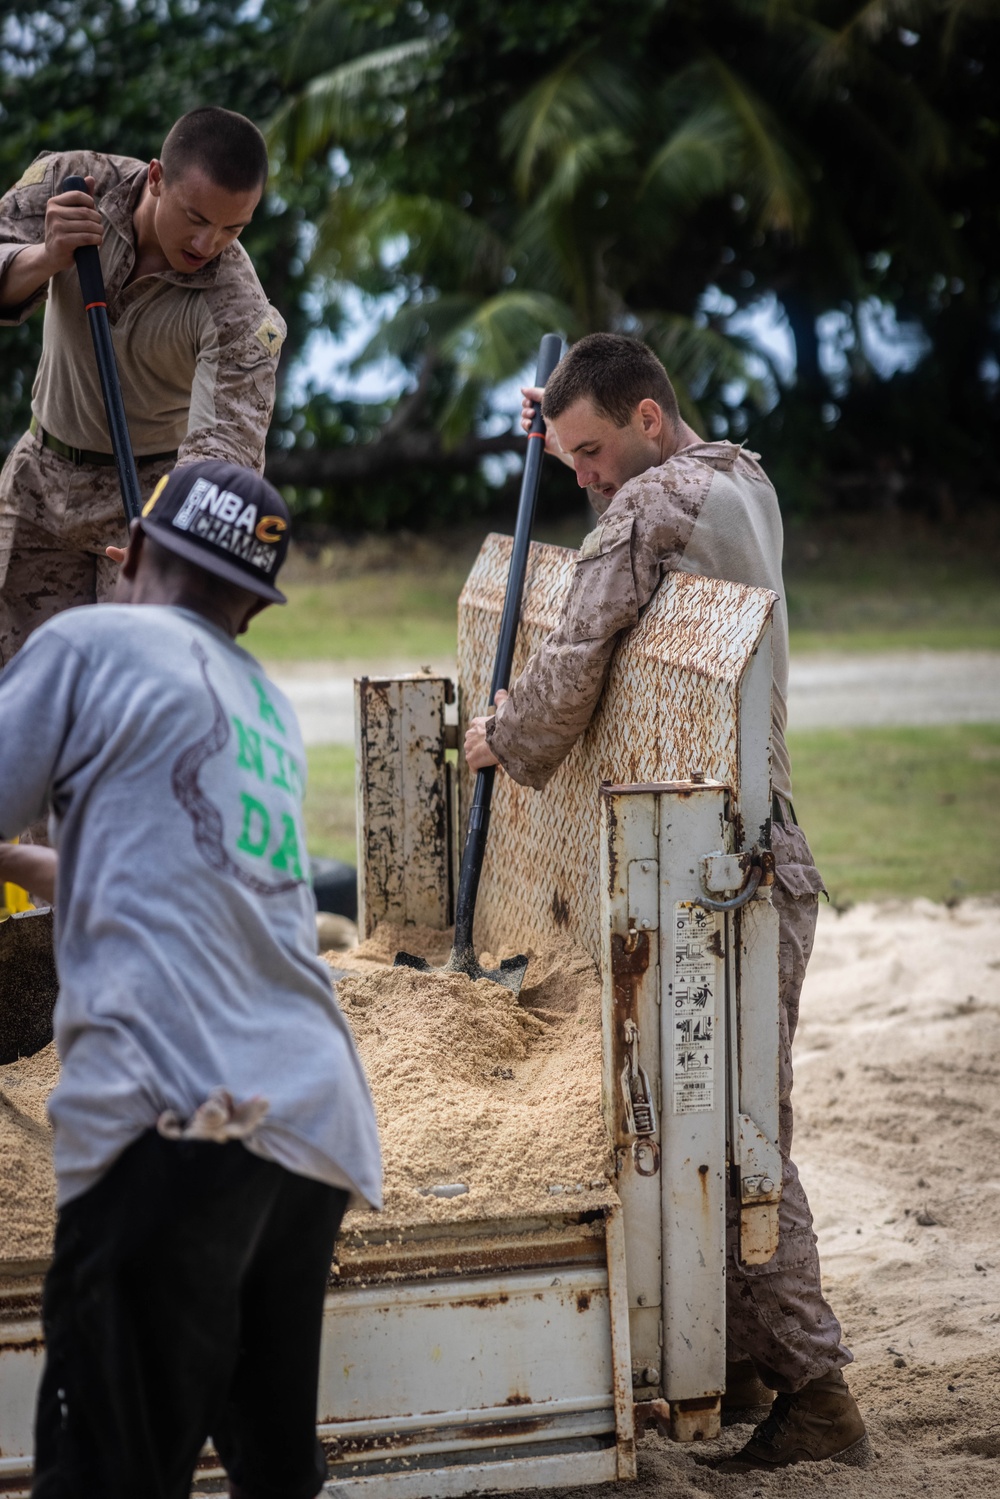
(83, 455)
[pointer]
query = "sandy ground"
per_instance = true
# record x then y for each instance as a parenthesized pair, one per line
(825, 690)
(897, 1136)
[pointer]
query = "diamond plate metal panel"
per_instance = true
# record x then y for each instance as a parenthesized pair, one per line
(671, 708)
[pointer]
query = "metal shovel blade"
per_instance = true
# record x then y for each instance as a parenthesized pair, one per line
(28, 984)
(463, 960)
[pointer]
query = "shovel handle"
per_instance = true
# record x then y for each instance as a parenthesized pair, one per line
(549, 355)
(95, 301)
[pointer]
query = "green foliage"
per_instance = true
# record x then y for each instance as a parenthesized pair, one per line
(495, 171)
(900, 812)
(619, 164)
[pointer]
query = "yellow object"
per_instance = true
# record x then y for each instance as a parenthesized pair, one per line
(14, 899)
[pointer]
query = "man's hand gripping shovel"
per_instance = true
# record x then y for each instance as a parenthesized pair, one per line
(28, 982)
(463, 957)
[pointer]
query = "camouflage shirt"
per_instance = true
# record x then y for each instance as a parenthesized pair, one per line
(197, 353)
(709, 509)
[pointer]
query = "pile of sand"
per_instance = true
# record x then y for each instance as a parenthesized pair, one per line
(475, 1087)
(27, 1181)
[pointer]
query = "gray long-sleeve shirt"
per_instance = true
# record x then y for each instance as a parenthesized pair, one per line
(709, 509)
(197, 353)
(185, 922)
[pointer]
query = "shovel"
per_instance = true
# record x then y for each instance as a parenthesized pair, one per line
(28, 981)
(463, 954)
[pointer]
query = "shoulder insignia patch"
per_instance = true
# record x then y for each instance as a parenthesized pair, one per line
(269, 336)
(590, 546)
(34, 174)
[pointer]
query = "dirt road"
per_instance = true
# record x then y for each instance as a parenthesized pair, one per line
(825, 691)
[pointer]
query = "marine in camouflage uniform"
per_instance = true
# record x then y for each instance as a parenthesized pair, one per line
(197, 355)
(671, 502)
(711, 510)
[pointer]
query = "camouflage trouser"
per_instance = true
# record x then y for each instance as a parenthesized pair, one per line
(776, 1313)
(56, 518)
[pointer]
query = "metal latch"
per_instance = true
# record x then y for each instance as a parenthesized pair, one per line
(640, 1111)
(741, 872)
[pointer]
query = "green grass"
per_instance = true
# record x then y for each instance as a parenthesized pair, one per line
(888, 812)
(901, 812)
(375, 617)
(877, 584)
(863, 585)
(329, 803)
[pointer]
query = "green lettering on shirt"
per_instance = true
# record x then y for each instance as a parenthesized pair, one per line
(287, 856)
(246, 841)
(284, 759)
(250, 755)
(267, 708)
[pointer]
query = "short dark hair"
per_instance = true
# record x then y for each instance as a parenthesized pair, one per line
(615, 373)
(226, 146)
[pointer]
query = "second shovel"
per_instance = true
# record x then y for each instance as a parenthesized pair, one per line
(463, 957)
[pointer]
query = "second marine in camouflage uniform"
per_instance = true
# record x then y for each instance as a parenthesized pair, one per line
(672, 502)
(197, 354)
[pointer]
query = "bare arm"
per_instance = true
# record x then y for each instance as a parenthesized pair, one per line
(30, 866)
(71, 220)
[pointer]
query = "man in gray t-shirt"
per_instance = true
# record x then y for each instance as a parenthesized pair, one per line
(212, 1117)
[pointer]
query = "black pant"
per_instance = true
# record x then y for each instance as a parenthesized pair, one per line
(184, 1301)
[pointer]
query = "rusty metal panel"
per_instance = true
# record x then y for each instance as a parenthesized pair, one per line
(403, 801)
(672, 707)
(512, 1376)
(630, 973)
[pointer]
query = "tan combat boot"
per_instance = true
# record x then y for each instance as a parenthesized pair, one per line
(822, 1420)
(747, 1397)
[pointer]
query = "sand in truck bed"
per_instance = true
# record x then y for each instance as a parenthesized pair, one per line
(477, 1087)
(473, 1087)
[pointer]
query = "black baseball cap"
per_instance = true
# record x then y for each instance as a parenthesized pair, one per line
(225, 519)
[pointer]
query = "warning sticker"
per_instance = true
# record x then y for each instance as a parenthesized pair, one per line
(696, 977)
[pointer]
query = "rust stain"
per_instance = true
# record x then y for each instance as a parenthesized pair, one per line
(518, 1399)
(560, 909)
(715, 945)
(583, 1301)
(341, 1450)
(630, 958)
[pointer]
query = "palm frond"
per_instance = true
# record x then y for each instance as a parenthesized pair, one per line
(770, 178)
(583, 97)
(327, 110)
(416, 326)
(441, 234)
(698, 160)
(495, 342)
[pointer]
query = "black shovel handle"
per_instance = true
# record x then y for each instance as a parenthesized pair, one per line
(95, 301)
(549, 355)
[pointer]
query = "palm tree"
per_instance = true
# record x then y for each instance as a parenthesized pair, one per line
(753, 145)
